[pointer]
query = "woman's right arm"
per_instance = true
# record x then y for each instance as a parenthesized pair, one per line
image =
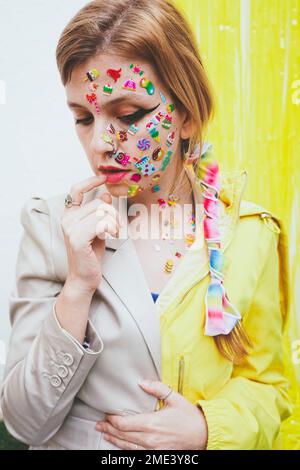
(47, 363)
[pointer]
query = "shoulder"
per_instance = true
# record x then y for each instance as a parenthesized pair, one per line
(260, 220)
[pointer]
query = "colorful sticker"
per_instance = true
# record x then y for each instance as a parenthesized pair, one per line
(92, 99)
(155, 135)
(143, 144)
(145, 167)
(170, 139)
(163, 97)
(167, 122)
(122, 158)
(106, 138)
(136, 177)
(145, 83)
(158, 154)
(132, 190)
(155, 188)
(133, 129)
(166, 160)
(161, 202)
(129, 85)
(136, 69)
(170, 108)
(158, 117)
(107, 89)
(93, 86)
(92, 75)
(110, 128)
(122, 136)
(114, 74)
(156, 177)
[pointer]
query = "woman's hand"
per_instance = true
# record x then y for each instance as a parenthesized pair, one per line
(178, 425)
(85, 228)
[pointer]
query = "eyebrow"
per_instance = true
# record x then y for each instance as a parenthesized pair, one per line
(115, 101)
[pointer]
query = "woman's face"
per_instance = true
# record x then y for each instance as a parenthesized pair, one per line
(117, 102)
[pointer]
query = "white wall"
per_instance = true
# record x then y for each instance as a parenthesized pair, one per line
(39, 151)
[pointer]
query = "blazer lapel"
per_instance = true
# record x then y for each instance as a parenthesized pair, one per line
(123, 272)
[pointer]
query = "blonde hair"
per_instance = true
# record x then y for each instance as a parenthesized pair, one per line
(155, 31)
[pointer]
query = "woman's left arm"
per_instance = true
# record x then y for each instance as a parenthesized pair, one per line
(247, 412)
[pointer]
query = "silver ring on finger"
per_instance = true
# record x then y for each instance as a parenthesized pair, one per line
(69, 202)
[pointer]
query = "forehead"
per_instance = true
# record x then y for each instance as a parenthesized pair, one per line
(78, 85)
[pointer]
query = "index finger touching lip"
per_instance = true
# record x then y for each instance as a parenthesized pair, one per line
(77, 191)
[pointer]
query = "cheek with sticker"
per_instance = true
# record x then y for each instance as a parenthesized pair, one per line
(145, 146)
(154, 141)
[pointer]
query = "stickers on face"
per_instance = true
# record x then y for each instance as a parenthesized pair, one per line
(129, 85)
(106, 138)
(170, 108)
(163, 98)
(122, 136)
(145, 83)
(132, 190)
(107, 89)
(136, 69)
(133, 129)
(170, 139)
(114, 74)
(153, 131)
(122, 158)
(145, 167)
(167, 122)
(92, 99)
(143, 144)
(156, 119)
(110, 128)
(93, 87)
(158, 154)
(166, 160)
(92, 75)
(135, 177)
(160, 121)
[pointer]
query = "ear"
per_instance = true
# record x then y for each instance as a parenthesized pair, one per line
(187, 127)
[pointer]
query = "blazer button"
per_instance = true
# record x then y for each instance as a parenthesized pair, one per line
(68, 359)
(62, 371)
(55, 381)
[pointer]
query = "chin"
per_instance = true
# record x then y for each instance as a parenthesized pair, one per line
(116, 190)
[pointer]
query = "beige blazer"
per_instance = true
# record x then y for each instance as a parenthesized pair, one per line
(54, 389)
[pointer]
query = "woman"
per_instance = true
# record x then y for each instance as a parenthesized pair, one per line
(85, 329)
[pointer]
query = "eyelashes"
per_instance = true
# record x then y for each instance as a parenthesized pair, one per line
(86, 121)
(127, 119)
(131, 118)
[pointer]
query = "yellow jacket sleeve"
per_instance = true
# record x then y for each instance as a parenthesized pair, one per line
(247, 412)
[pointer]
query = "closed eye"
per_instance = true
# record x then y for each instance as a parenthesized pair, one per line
(134, 117)
(85, 121)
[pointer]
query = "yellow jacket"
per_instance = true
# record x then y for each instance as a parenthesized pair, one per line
(245, 404)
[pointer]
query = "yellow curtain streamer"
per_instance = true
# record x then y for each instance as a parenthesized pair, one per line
(251, 50)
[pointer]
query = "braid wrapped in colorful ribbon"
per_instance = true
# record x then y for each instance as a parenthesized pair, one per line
(221, 315)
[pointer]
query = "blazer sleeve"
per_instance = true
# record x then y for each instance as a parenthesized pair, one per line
(247, 412)
(45, 366)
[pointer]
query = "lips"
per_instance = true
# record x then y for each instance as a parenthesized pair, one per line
(113, 174)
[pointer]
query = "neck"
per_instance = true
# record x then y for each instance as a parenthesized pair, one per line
(176, 183)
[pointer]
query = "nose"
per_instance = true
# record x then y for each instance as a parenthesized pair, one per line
(102, 140)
